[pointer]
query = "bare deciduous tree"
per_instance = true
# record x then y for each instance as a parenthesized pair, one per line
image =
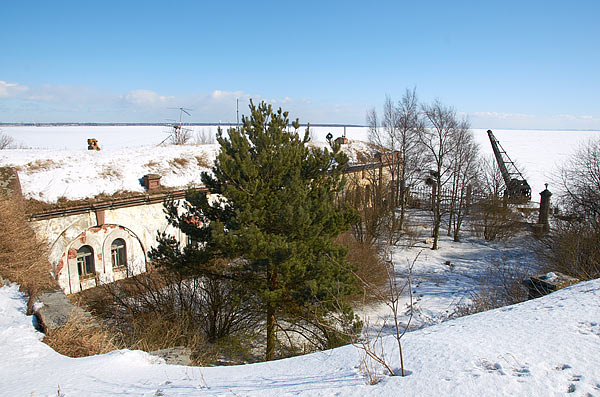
(579, 180)
(464, 172)
(5, 141)
(490, 177)
(438, 138)
(398, 138)
(409, 124)
(575, 240)
(385, 138)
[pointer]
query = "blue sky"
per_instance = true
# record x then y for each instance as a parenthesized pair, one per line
(504, 64)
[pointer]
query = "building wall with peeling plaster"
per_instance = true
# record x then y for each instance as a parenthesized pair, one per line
(138, 226)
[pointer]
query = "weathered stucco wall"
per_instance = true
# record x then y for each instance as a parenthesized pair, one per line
(137, 226)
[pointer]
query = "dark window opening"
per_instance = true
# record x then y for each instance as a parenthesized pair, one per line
(85, 261)
(118, 253)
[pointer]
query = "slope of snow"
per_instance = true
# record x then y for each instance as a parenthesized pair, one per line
(47, 175)
(537, 152)
(543, 347)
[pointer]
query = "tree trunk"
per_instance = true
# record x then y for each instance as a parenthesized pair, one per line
(437, 215)
(402, 203)
(272, 277)
(270, 332)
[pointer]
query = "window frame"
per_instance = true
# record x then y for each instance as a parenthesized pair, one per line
(86, 266)
(118, 254)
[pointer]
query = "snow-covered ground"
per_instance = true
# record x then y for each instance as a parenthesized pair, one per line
(448, 278)
(128, 148)
(541, 347)
(544, 347)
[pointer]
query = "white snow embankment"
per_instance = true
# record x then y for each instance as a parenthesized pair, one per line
(544, 347)
(48, 175)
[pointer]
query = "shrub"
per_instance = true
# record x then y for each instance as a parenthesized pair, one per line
(5, 141)
(367, 262)
(574, 249)
(501, 285)
(493, 220)
(194, 309)
(81, 337)
(204, 137)
(23, 257)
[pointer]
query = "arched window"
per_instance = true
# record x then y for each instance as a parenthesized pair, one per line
(85, 261)
(118, 253)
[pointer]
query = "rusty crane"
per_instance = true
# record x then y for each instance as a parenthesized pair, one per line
(516, 186)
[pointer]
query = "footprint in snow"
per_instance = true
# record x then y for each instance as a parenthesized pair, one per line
(587, 328)
(522, 371)
(492, 368)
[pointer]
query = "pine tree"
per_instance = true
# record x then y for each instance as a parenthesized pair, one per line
(273, 223)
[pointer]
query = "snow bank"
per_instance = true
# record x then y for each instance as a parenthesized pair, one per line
(542, 347)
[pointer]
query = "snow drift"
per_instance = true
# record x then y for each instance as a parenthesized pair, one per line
(543, 347)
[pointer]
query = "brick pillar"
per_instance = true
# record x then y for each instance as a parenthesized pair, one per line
(544, 208)
(99, 217)
(151, 182)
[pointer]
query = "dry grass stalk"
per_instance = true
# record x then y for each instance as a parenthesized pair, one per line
(202, 160)
(33, 206)
(41, 165)
(23, 257)
(81, 337)
(110, 172)
(369, 266)
(178, 162)
(152, 331)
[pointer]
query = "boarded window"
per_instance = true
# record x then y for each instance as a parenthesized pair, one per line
(85, 261)
(118, 253)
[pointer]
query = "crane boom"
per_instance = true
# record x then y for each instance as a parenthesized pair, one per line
(515, 184)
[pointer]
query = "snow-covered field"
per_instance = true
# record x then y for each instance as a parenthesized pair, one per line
(128, 153)
(128, 149)
(543, 347)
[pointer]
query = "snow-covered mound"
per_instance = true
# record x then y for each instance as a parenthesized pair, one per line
(47, 175)
(75, 174)
(544, 347)
(538, 152)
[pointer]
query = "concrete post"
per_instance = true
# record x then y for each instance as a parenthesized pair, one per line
(544, 208)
